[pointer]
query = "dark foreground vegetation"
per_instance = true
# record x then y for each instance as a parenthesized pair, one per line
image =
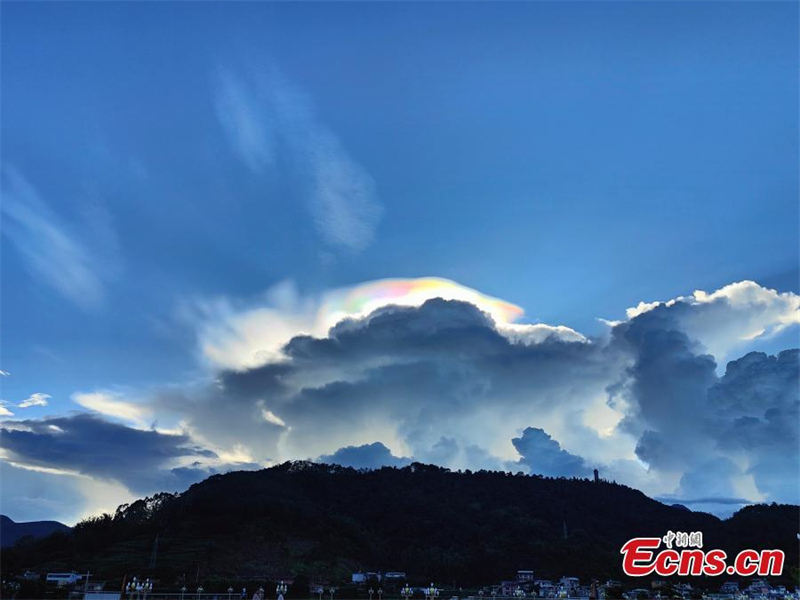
(320, 523)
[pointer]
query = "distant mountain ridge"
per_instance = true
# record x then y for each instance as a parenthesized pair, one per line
(323, 522)
(11, 531)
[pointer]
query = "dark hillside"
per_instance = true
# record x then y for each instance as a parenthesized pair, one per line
(325, 521)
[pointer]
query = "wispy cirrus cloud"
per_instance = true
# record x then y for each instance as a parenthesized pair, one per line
(268, 120)
(61, 255)
(246, 124)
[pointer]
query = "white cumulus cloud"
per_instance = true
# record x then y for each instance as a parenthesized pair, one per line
(729, 318)
(36, 399)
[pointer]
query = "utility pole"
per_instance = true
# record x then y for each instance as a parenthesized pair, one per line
(154, 555)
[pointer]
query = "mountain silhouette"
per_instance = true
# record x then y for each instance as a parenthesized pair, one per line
(322, 522)
(11, 531)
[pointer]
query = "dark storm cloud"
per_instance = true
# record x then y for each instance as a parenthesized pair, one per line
(451, 387)
(666, 389)
(424, 370)
(544, 455)
(368, 456)
(228, 419)
(438, 332)
(92, 446)
(756, 409)
(437, 328)
(691, 421)
(756, 383)
(443, 452)
(670, 375)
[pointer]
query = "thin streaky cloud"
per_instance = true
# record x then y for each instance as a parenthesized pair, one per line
(54, 253)
(268, 114)
(344, 204)
(244, 123)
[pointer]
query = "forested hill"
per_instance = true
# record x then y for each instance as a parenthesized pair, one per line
(319, 521)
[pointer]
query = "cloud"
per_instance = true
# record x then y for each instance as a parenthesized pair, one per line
(707, 501)
(88, 445)
(641, 404)
(714, 477)
(4, 412)
(272, 418)
(34, 495)
(36, 399)
(440, 380)
(240, 336)
(109, 404)
(61, 255)
(236, 335)
(344, 200)
(754, 411)
(724, 321)
(237, 430)
(542, 454)
(742, 424)
(408, 374)
(368, 456)
(245, 123)
(265, 115)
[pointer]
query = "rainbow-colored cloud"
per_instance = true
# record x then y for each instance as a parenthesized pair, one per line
(362, 299)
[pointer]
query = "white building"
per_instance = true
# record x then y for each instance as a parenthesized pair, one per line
(569, 583)
(62, 579)
(546, 588)
(364, 577)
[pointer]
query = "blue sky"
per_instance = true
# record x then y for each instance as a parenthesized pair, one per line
(166, 164)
